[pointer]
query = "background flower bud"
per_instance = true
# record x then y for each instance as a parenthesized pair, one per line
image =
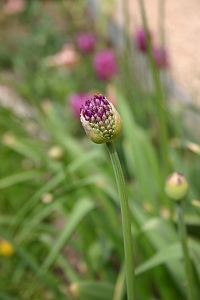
(141, 39)
(86, 42)
(100, 120)
(105, 64)
(176, 186)
(56, 153)
(76, 100)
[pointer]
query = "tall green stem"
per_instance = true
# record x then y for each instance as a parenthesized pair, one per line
(161, 18)
(183, 237)
(126, 224)
(159, 95)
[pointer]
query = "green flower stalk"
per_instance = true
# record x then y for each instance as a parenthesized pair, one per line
(102, 123)
(176, 187)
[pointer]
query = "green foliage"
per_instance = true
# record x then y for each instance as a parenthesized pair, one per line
(62, 216)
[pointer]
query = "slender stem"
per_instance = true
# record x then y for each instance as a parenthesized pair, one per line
(159, 95)
(127, 40)
(183, 237)
(161, 18)
(126, 224)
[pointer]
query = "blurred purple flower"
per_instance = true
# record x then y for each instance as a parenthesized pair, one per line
(86, 42)
(105, 64)
(141, 40)
(161, 57)
(76, 101)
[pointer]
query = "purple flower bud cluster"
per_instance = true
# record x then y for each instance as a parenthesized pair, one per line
(105, 64)
(141, 40)
(160, 54)
(98, 112)
(86, 42)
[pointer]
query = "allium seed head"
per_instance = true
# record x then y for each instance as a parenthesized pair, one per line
(100, 120)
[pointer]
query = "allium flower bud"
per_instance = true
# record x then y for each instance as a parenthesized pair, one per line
(100, 120)
(105, 64)
(176, 186)
(141, 40)
(86, 42)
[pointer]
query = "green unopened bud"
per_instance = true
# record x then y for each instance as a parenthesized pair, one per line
(56, 153)
(100, 120)
(74, 289)
(176, 186)
(9, 139)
